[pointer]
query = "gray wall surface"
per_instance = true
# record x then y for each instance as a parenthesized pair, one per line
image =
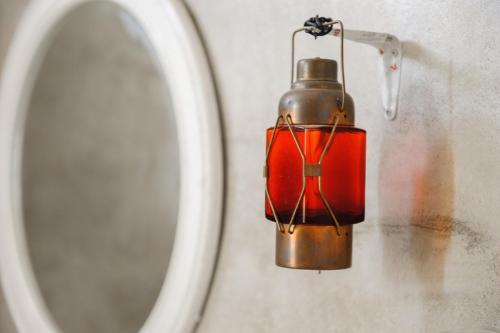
(427, 259)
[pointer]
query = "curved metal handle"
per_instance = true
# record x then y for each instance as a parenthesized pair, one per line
(389, 48)
(312, 29)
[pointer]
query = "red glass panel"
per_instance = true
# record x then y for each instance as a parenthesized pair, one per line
(343, 174)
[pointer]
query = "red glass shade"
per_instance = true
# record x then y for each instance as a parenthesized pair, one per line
(342, 178)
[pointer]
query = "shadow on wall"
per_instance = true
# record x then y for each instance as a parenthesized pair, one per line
(416, 181)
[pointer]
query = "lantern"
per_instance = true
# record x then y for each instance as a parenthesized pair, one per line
(315, 166)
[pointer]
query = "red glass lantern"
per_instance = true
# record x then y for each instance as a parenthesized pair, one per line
(342, 174)
(315, 171)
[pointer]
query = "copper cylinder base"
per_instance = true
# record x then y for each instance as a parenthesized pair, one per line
(314, 247)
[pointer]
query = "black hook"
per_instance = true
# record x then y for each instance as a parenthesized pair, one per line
(319, 26)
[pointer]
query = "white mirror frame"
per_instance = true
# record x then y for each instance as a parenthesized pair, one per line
(181, 58)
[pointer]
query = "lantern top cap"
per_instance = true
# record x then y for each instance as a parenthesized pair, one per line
(317, 69)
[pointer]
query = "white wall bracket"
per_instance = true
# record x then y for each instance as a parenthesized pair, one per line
(390, 57)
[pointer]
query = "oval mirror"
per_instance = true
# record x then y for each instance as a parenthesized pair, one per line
(111, 169)
(100, 172)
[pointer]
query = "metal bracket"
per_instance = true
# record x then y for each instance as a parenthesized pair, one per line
(391, 53)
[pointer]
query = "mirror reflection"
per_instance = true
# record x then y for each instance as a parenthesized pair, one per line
(100, 173)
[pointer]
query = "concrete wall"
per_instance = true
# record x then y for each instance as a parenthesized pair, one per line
(427, 259)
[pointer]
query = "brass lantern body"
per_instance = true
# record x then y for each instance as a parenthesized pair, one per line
(315, 247)
(314, 99)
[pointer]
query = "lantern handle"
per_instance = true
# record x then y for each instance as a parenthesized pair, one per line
(389, 49)
(320, 26)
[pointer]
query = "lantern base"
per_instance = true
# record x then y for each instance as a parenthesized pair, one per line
(314, 247)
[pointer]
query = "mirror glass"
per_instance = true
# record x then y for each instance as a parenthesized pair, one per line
(100, 173)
